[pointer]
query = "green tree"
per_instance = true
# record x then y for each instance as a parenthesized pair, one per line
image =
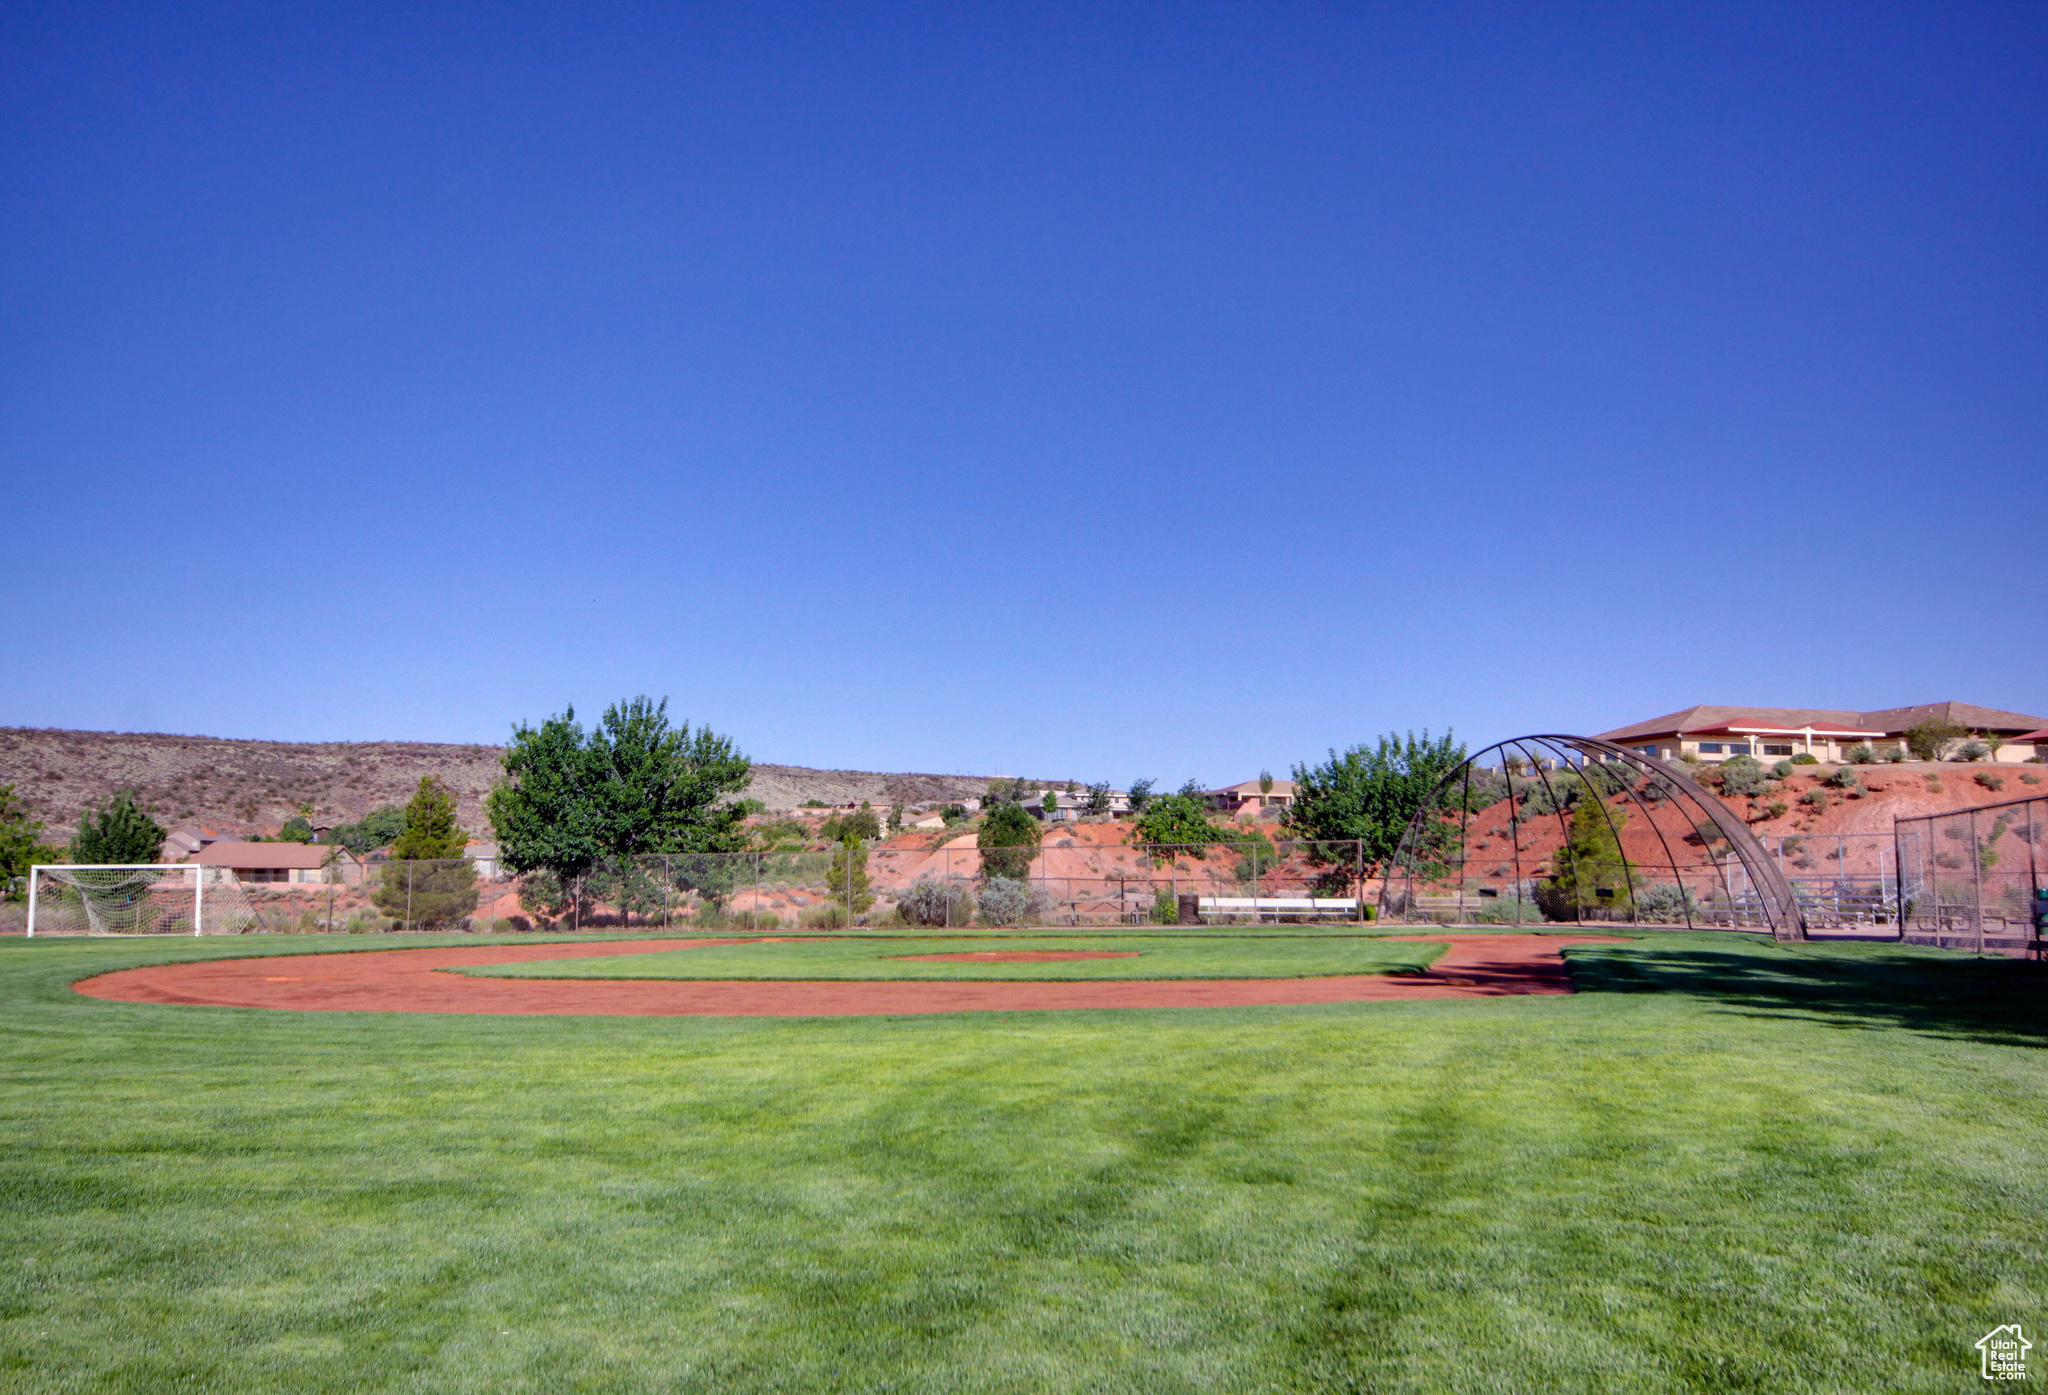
(1178, 820)
(847, 877)
(1098, 801)
(428, 883)
(430, 831)
(20, 843)
(1008, 840)
(374, 830)
(1930, 740)
(1141, 794)
(117, 832)
(297, 829)
(860, 823)
(1369, 795)
(1589, 872)
(632, 785)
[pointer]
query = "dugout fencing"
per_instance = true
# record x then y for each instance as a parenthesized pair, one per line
(1972, 878)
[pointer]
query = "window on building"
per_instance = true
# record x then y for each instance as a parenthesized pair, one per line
(1710, 748)
(1777, 750)
(1738, 748)
(1647, 750)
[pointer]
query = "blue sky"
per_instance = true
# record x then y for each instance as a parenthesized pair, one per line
(1091, 391)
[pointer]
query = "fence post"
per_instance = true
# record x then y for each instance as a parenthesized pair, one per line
(409, 866)
(1977, 883)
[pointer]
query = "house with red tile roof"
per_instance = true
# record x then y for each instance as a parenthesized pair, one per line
(1710, 733)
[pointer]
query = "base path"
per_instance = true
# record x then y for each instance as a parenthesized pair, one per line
(406, 980)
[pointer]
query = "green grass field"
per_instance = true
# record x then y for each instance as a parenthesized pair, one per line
(1162, 955)
(1720, 1166)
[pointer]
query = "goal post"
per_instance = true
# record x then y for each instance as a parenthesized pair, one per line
(137, 898)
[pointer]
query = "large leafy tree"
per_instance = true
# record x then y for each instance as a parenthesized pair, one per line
(1368, 795)
(1932, 738)
(20, 845)
(631, 785)
(1180, 820)
(1008, 840)
(117, 831)
(373, 830)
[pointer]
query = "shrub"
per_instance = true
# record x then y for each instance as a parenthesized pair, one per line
(1843, 778)
(1896, 754)
(2027, 779)
(1806, 758)
(1010, 901)
(935, 902)
(1665, 904)
(1988, 780)
(1741, 776)
(1165, 909)
(1775, 809)
(823, 915)
(1973, 751)
(1862, 754)
(1816, 800)
(1781, 770)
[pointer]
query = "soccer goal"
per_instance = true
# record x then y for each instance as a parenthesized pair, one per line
(137, 899)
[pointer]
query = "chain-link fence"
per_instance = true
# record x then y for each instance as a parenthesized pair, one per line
(1970, 879)
(1078, 877)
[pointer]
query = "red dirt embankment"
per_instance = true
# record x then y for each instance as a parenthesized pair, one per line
(405, 980)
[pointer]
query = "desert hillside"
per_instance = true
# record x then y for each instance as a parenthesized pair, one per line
(254, 786)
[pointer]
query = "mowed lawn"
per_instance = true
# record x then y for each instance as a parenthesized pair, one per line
(1160, 955)
(1721, 1166)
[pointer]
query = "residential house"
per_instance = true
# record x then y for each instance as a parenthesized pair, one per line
(1712, 734)
(301, 864)
(1056, 806)
(181, 843)
(1250, 795)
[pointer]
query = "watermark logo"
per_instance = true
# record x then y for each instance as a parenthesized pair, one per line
(2004, 1352)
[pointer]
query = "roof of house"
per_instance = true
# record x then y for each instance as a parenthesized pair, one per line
(264, 856)
(1887, 722)
(1252, 787)
(1962, 714)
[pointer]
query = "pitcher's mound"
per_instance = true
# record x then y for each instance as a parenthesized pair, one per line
(1018, 956)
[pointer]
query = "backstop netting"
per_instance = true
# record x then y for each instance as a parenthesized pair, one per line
(137, 899)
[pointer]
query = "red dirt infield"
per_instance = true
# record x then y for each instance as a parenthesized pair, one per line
(406, 980)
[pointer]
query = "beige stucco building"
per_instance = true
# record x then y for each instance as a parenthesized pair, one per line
(1773, 733)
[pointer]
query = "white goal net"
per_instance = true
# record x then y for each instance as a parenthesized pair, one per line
(137, 899)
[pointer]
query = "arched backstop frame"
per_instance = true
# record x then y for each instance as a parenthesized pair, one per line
(1598, 763)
